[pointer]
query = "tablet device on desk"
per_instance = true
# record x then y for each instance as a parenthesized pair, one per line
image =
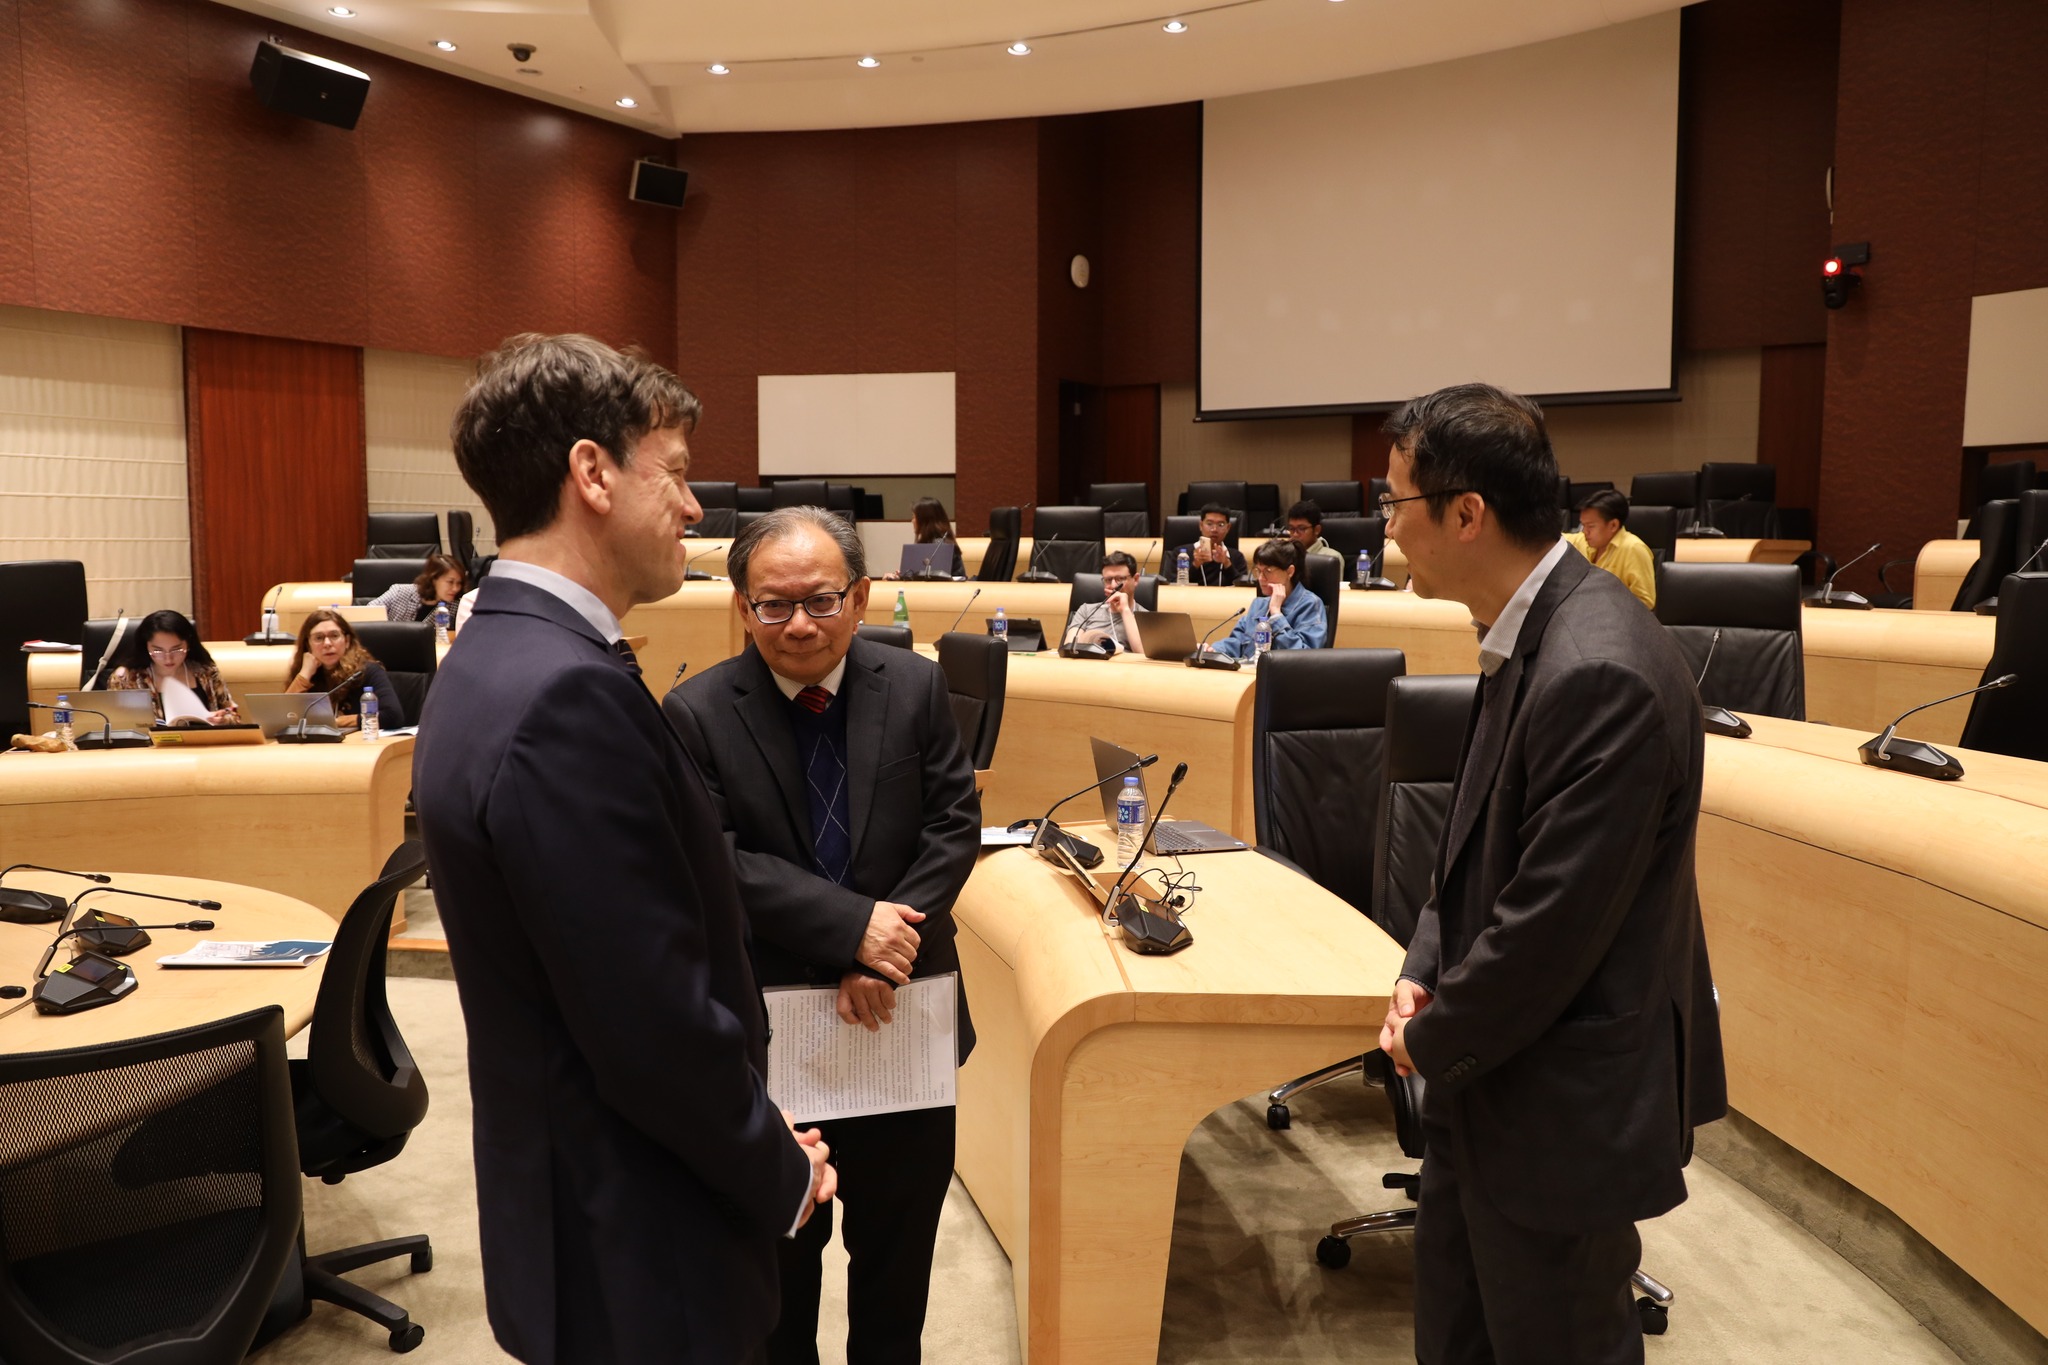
(276, 712)
(1168, 836)
(1168, 635)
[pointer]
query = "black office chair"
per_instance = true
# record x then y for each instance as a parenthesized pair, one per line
(403, 535)
(370, 577)
(2030, 549)
(96, 659)
(1234, 494)
(1066, 541)
(1325, 578)
(1679, 488)
(999, 561)
(1336, 497)
(2014, 719)
(747, 517)
(800, 493)
(40, 599)
(756, 500)
(1262, 506)
(1581, 490)
(1752, 610)
(1656, 527)
(1348, 535)
(406, 649)
(721, 504)
(1375, 489)
(1088, 588)
(1998, 552)
(462, 540)
(357, 1095)
(2007, 480)
(839, 498)
(897, 636)
(1126, 508)
(152, 1199)
(977, 669)
(1740, 499)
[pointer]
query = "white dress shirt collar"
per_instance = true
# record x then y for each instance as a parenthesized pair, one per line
(1497, 645)
(830, 684)
(581, 600)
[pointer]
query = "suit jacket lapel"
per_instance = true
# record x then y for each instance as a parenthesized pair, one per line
(764, 711)
(867, 710)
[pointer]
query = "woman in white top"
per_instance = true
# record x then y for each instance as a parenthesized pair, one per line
(441, 583)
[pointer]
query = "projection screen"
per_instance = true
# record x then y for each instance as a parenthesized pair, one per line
(1508, 217)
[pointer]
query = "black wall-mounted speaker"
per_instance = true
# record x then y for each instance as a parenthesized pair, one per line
(294, 82)
(654, 183)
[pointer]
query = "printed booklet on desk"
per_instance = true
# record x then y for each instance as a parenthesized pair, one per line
(284, 952)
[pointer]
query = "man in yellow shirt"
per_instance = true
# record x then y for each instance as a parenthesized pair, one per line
(1604, 538)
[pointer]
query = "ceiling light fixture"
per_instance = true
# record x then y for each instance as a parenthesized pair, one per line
(626, 102)
(868, 63)
(719, 69)
(1174, 26)
(341, 11)
(444, 45)
(1018, 49)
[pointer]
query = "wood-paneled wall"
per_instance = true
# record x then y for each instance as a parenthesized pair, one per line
(274, 459)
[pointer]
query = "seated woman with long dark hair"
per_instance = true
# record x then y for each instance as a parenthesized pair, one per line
(930, 525)
(330, 658)
(162, 650)
(440, 584)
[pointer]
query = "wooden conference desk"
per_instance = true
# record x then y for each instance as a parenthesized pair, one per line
(1094, 1065)
(244, 668)
(1939, 571)
(1880, 943)
(166, 998)
(310, 821)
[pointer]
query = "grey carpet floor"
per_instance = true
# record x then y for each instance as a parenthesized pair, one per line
(1243, 1284)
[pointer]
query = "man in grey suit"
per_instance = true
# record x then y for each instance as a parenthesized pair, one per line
(839, 774)
(1556, 996)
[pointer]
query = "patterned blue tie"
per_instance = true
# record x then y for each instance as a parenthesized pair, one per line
(825, 775)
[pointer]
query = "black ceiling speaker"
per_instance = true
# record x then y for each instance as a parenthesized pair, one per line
(294, 82)
(654, 183)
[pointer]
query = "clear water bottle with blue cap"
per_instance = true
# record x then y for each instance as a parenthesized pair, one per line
(1130, 820)
(62, 717)
(1002, 628)
(1364, 566)
(441, 623)
(1262, 634)
(1180, 566)
(370, 726)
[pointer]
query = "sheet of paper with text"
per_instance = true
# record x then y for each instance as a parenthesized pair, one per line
(821, 1067)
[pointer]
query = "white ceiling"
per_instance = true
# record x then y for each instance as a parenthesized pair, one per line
(792, 61)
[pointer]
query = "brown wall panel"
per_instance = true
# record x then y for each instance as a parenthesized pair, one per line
(1148, 272)
(1789, 407)
(17, 261)
(1131, 413)
(274, 438)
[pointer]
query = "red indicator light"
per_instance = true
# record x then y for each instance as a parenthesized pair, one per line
(1831, 266)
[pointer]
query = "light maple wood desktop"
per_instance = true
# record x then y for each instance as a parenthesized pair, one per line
(165, 998)
(310, 821)
(1939, 571)
(1094, 1065)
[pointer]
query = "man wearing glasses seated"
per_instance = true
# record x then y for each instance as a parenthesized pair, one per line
(838, 770)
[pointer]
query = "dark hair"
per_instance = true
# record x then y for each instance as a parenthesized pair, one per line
(1475, 438)
(1307, 510)
(134, 652)
(929, 520)
(1218, 508)
(784, 522)
(438, 564)
(535, 397)
(1122, 559)
(353, 659)
(1279, 554)
(1610, 505)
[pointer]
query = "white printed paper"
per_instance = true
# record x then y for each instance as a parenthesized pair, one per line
(283, 952)
(181, 702)
(821, 1067)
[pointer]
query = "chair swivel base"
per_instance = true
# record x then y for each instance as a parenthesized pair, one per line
(324, 1282)
(1277, 1116)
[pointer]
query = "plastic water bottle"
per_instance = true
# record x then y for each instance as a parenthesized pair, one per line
(441, 624)
(1180, 567)
(1364, 566)
(63, 719)
(270, 621)
(1262, 635)
(370, 729)
(902, 617)
(1130, 820)
(1002, 627)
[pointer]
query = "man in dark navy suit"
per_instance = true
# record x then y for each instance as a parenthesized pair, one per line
(838, 769)
(633, 1178)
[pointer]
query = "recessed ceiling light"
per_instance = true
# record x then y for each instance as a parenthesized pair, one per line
(1018, 49)
(719, 69)
(626, 102)
(444, 45)
(1174, 26)
(869, 63)
(341, 11)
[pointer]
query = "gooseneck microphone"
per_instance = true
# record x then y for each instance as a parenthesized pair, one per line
(270, 634)
(1202, 658)
(1718, 720)
(18, 905)
(1374, 581)
(2038, 550)
(1147, 929)
(1989, 606)
(1180, 771)
(1036, 574)
(1826, 596)
(64, 929)
(1912, 756)
(109, 738)
(691, 575)
(1044, 824)
(963, 612)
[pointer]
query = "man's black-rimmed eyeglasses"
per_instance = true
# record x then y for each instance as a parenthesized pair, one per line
(776, 611)
(1386, 504)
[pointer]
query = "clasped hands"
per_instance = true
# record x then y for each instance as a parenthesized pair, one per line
(888, 946)
(1409, 1000)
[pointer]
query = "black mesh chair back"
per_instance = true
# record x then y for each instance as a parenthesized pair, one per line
(999, 561)
(1066, 541)
(1234, 494)
(1126, 508)
(1348, 535)
(1428, 716)
(1758, 667)
(1318, 751)
(800, 493)
(1656, 527)
(1678, 488)
(403, 535)
(2014, 719)
(371, 577)
(1088, 588)
(756, 500)
(1998, 553)
(406, 649)
(977, 669)
(1336, 497)
(96, 659)
(898, 636)
(462, 540)
(1325, 578)
(150, 1191)
(2007, 480)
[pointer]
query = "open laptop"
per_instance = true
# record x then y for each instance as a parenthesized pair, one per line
(935, 559)
(1168, 635)
(129, 708)
(1169, 835)
(277, 712)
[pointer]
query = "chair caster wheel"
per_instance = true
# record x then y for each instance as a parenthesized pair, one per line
(1655, 1317)
(423, 1260)
(1333, 1253)
(1278, 1119)
(407, 1337)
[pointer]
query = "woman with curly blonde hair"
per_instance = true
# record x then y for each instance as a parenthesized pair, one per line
(330, 658)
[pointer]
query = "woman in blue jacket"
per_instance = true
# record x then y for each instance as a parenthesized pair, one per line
(1294, 612)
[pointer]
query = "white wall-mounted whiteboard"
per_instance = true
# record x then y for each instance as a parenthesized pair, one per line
(835, 425)
(2006, 403)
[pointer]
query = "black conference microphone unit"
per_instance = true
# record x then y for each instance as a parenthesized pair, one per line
(325, 734)
(1826, 596)
(1373, 582)
(963, 612)
(270, 634)
(1152, 929)
(1085, 853)
(1036, 574)
(21, 906)
(1910, 755)
(1719, 720)
(691, 575)
(1202, 658)
(115, 938)
(107, 737)
(93, 978)
(1989, 606)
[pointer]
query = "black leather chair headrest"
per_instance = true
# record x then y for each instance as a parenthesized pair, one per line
(1426, 718)
(1327, 689)
(1759, 596)
(1676, 488)
(1728, 480)
(1069, 523)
